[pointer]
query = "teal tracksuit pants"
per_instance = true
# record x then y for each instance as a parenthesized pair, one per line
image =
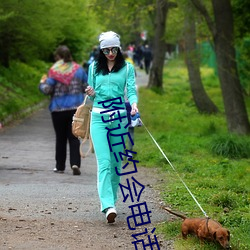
(107, 179)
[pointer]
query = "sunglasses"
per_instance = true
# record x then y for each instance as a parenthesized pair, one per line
(106, 51)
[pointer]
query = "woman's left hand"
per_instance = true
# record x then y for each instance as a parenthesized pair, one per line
(90, 91)
(134, 109)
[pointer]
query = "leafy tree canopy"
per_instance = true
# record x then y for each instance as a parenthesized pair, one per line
(28, 33)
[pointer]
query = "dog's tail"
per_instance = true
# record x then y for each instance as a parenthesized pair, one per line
(175, 213)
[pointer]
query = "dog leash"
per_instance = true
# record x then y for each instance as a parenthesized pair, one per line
(174, 170)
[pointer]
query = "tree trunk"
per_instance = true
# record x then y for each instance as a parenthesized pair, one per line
(235, 109)
(201, 99)
(159, 46)
(223, 38)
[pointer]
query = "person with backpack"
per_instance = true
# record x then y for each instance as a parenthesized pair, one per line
(65, 83)
(108, 78)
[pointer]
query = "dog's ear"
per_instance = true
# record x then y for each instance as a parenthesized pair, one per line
(214, 235)
(228, 237)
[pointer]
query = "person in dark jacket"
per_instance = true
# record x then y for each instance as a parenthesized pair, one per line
(147, 54)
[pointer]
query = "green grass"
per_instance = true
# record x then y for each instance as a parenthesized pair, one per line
(19, 88)
(214, 164)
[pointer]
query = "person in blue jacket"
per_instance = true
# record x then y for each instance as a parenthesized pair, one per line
(65, 83)
(108, 77)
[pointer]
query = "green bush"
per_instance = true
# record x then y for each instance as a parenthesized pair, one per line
(231, 146)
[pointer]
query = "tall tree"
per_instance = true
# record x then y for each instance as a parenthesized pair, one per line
(159, 44)
(202, 101)
(242, 33)
(223, 38)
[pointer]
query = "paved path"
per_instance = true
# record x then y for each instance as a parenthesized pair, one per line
(141, 78)
(30, 190)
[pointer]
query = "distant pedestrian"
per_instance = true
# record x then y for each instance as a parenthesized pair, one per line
(65, 84)
(107, 82)
(93, 56)
(147, 55)
(138, 56)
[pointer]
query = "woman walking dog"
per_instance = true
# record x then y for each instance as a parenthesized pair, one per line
(108, 77)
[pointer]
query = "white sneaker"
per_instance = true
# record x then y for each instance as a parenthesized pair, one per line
(111, 215)
(58, 171)
(130, 155)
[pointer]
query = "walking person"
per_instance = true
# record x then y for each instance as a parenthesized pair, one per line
(65, 84)
(108, 78)
(147, 54)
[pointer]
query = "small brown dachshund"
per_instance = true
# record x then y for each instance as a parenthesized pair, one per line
(204, 229)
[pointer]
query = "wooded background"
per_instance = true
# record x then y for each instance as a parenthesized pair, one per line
(31, 30)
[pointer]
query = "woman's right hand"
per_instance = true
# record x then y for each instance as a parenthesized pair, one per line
(90, 91)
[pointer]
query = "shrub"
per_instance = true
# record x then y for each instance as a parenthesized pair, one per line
(231, 146)
(223, 200)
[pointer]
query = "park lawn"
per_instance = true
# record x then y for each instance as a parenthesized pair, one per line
(190, 141)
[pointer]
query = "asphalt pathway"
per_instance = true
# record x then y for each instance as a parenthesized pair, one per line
(31, 190)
